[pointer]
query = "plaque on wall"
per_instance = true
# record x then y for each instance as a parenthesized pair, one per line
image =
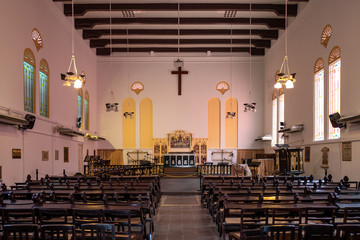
(16, 153)
(66, 154)
(346, 151)
(307, 154)
(45, 155)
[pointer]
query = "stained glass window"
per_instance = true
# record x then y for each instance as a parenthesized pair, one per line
(44, 88)
(274, 131)
(281, 115)
(334, 88)
(29, 81)
(319, 100)
(80, 105)
(86, 109)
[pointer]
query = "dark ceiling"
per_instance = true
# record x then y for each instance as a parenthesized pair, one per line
(143, 26)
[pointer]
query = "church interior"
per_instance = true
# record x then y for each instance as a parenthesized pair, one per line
(195, 119)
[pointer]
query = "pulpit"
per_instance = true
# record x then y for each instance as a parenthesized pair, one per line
(289, 161)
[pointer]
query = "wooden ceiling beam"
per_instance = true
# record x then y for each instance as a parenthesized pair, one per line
(279, 9)
(105, 42)
(254, 51)
(263, 33)
(89, 23)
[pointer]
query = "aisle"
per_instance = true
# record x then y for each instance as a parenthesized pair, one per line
(180, 217)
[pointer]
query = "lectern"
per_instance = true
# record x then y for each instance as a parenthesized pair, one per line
(289, 160)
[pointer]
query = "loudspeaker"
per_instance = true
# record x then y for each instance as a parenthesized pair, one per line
(78, 122)
(334, 117)
(31, 119)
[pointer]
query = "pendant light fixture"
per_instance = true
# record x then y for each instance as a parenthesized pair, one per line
(284, 76)
(112, 106)
(128, 115)
(72, 77)
(178, 63)
(231, 114)
(250, 107)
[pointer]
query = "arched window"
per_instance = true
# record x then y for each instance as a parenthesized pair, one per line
(319, 100)
(44, 88)
(86, 108)
(80, 107)
(334, 88)
(274, 128)
(281, 116)
(29, 81)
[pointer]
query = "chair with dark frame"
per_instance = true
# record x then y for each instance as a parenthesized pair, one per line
(52, 216)
(316, 232)
(277, 232)
(348, 231)
(85, 216)
(57, 232)
(97, 231)
(21, 231)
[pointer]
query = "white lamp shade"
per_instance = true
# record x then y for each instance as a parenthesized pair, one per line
(277, 85)
(289, 84)
(77, 83)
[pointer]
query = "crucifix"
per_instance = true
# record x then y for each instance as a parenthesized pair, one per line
(179, 72)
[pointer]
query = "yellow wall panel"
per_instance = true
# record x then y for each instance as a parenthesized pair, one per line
(231, 125)
(146, 123)
(214, 123)
(129, 125)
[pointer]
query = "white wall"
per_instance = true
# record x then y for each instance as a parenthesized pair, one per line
(304, 49)
(186, 112)
(18, 18)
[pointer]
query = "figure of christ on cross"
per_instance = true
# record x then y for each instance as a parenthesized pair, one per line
(179, 72)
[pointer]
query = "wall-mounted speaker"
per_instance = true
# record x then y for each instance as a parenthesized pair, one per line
(31, 119)
(78, 122)
(334, 119)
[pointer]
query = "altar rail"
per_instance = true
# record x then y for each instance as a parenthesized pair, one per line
(126, 170)
(213, 170)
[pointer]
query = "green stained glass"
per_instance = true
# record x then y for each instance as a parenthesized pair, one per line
(43, 94)
(28, 87)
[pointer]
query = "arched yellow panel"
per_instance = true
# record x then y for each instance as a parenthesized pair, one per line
(129, 124)
(231, 124)
(146, 123)
(214, 123)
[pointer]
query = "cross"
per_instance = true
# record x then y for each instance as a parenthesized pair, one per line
(179, 72)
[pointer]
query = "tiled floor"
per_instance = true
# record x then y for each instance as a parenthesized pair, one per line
(181, 217)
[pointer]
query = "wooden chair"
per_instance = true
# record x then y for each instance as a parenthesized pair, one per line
(320, 215)
(126, 219)
(18, 216)
(286, 216)
(21, 231)
(351, 215)
(348, 231)
(52, 216)
(277, 232)
(84, 216)
(57, 232)
(97, 231)
(316, 232)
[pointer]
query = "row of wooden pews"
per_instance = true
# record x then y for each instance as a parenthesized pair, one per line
(244, 204)
(128, 203)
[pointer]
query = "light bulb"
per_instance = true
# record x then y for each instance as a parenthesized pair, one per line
(277, 85)
(77, 83)
(289, 84)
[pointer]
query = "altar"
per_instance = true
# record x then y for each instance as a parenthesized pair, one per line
(179, 160)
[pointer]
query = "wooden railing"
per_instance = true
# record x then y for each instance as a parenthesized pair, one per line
(213, 170)
(126, 170)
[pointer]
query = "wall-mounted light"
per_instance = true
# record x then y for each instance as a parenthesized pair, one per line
(249, 107)
(231, 115)
(128, 115)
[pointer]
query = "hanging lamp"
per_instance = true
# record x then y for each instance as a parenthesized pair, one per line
(128, 115)
(285, 78)
(72, 77)
(231, 114)
(250, 106)
(111, 106)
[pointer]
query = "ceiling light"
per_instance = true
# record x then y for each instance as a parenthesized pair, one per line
(128, 115)
(72, 76)
(284, 77)
(249, 107)
(231, 115)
